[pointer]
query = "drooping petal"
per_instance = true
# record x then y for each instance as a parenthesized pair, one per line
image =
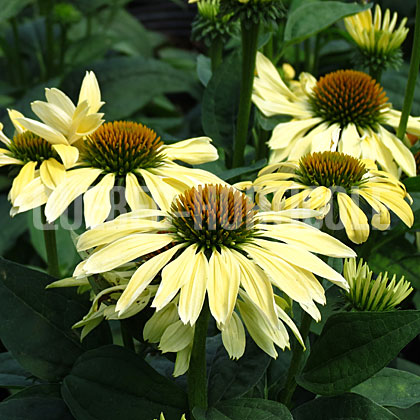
(233, 337)
(68, 154)
(97, 202)
(76, 183)
(143, 276)
(193, 292)
(33, 195)
(52, 173)
(223, 285)
(135, 196)
(25, 176)
(125, 250)
(193, 151)
(354, 220)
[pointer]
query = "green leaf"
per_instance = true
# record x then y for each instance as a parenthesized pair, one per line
(36, 323)
(220, 104)
(412, 184)
(204, 69)
(342, 407)
(243, 170)
(12, 375)
(231, 379)
(400, 259)
(245, 409)
(40, 402)
(112, 383)
(11, 228)
(141, 79)
(353, 346)
(412, 413)
(313, 17)
(11, 8)
(391, 387)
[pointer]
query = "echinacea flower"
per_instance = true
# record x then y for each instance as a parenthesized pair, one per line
(326, 180)
(368, 294)
(63, 123)
(212, 243)
(345, 101)
(129, 152)
(378, 38)
(40, 160)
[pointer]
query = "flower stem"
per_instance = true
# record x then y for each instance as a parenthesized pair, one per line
(249, 52)
(50, 245)
(412, 76)
(126, 336)
(197, 376)
(296, 362)
(216, 53)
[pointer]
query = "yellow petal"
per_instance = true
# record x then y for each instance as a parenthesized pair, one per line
(14, 116)
(354, 220)
(90, 92)
(143, 276)
(52, 173)
(233, 337)
(68, 154)
(42, 130)
(193, 151)
(33, 195)
(76, 183)
(97, 201)
(174, 276)
(176, 337)
(125, 250)
(61, 100)
(161, 192)
(223, 285)
(135, 196)
(52, 115)
(25, 176)
(193, 292)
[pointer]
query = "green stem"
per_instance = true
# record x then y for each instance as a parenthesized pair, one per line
(197, 376)
(249, 52)
(50, 246)
(412, 76)
(296, 362)
(216, 53)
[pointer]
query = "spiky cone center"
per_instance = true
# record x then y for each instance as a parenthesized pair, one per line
(348, 96)
(120, 147)
(213, 216)
(28, 147)
(331, 169)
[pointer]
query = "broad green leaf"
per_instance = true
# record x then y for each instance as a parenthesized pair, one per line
(11, 228)
(391, 387)
(40, 402)
(36, 323)
(342, 407)
(354, 346)
(204, 69)
(12, 375)
(112, 383)
(245, 409)
(231, 379)
(220, 104)
(243, 170)
(412, 413)
(313, 17)
(11, 8)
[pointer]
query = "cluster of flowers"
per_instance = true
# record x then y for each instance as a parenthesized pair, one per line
(190, 240)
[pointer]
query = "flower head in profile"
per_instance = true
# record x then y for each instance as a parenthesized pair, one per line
(377, 37)
(132, 155)
(369, 294)
(213, 245)
(326, 181)
(41, 166)
(347, 102)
